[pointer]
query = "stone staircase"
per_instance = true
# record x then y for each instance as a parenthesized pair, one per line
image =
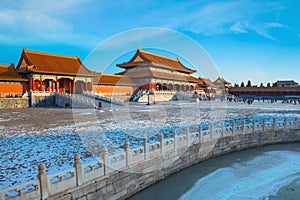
(101, 98)
(85, 101)
(162, 96)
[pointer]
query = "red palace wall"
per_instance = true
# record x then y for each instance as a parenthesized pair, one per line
(11, 88)
(112, 89)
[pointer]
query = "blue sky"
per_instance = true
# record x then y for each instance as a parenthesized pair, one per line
(246, 39)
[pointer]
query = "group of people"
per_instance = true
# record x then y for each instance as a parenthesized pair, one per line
(245, 100)
(204, 97)
(287, 100)
(250, 100)
(292, 101)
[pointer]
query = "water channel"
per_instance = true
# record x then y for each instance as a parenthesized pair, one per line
(270, 172)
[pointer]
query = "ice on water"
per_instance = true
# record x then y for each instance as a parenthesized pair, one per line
(255, 179)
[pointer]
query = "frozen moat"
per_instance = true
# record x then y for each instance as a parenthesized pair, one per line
(270, 172)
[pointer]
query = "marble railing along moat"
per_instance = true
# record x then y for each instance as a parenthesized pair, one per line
(123, 174)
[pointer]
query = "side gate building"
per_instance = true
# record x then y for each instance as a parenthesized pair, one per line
(56, 73)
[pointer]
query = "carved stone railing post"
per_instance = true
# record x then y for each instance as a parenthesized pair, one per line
(161, 143)
(145, 144)
(274, 124)
(43, 179)
(243, 127)
(106, 162)
(128, 154)
(253, 126)
(263, 124)
(222, 128)
(200, 133)
(211, 130)
(21, 194)
(296, 122)
(233, 127)
(78, 170)
(175, 140)
(188, 137)
(284, 122)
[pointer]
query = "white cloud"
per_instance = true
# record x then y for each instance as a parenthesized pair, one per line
(260, 29)
(34, 21)
(275, 25)
(227, 17)
(239, 27)
(212, 18)
(263, 31)
(53, 20)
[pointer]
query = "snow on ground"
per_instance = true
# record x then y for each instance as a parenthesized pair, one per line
(53, 136)
(21, 155)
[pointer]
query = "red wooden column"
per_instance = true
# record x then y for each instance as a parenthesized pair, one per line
(47, 82)
(41, 84)
(52, 85)
(149, 86)
(86, 86)
(70, 86)
(32, 84)
(74, 86)
(56, 85)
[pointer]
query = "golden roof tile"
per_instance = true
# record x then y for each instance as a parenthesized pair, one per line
(9, 73)
(39, 62)
(143, 57)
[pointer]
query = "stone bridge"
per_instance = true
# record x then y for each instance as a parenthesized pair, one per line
(121, 175)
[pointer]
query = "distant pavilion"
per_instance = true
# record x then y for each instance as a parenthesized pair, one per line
(51, 72)
(222, 83)
(156, 72)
